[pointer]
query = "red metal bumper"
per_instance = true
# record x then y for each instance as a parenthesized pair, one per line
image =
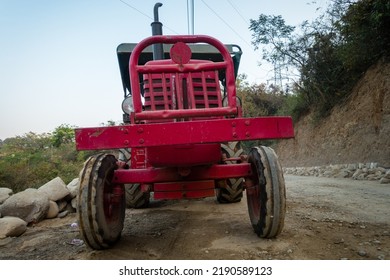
(190, 132)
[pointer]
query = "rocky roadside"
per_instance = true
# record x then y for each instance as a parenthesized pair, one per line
(18, 211)
(357, 171)
(55, 199)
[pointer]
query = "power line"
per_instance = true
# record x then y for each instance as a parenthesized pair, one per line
(238, 12)
(134, 8)
(149, 17)
(231, 28)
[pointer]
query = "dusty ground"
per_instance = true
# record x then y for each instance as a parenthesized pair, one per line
(326, 219)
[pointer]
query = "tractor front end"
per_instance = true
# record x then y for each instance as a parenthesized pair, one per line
(180, 139)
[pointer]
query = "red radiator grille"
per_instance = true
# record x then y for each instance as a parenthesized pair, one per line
(171, 91)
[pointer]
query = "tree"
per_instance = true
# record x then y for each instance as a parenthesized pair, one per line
(63, 134)
(330, 53)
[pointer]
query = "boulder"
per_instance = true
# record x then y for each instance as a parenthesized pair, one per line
(12, 227)
(73, 203)
(55, 189)
(29, 205)
(4, 194)
(73, 187)
(53, 210)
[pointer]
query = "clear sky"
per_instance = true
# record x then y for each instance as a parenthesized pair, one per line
(58, 61)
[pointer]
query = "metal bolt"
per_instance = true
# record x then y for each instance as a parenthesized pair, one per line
(234, 124)
(140, 130)
(247, 123)
(141, 141)
(126, 142)
(234, 135)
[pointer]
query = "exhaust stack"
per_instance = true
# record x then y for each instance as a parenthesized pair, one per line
(158, 51)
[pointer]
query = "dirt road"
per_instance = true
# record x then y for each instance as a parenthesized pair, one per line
(326, 219)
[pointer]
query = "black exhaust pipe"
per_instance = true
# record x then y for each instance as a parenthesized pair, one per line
(158, 51)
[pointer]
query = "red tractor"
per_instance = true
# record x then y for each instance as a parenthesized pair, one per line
(181, 137)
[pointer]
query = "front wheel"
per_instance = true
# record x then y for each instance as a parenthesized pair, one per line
(266, 195)
(101, 203)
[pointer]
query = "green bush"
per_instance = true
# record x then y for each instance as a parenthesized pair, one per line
(31, 160)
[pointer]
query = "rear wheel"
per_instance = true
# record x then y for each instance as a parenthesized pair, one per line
(101, 203)
(135, 197)
(230, 190)
(266, 195)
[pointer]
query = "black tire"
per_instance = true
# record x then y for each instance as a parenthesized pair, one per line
(230, 190)
(266, 194)
(101, 204)
(135, 197)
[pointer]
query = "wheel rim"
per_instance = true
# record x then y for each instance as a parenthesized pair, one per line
(112, 202)
(255, 198)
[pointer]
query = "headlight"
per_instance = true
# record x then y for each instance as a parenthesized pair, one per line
(225, 101)
(127, 105)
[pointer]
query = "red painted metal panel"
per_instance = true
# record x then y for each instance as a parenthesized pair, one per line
(184, 195)
(183, 155)
(184, 186)
(176, 133)
(171, 174)
(180, 190)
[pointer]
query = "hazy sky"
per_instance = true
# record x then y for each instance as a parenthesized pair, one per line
(58, 61)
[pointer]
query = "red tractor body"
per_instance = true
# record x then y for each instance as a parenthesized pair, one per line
(181, 114)
(182, 122)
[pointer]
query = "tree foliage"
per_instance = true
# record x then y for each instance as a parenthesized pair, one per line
(63, 134)
(330, 53)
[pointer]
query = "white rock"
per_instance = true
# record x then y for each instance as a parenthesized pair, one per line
(73, 187)
(74, 203)
(373, 165)
(12, 227)
(53, 210)
(63, 214)
(356, 174)
(55, 189)
(29, 205)
(4, 194)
